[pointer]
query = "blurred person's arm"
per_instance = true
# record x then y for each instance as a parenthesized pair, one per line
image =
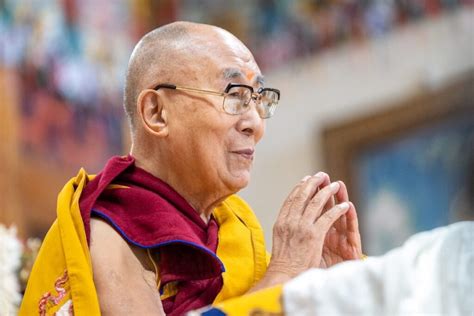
(124, 277)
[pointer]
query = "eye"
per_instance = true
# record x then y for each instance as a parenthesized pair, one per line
(239, 93)
(235, 94)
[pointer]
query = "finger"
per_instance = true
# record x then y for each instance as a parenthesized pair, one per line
(352, 221)
(353, 234)
(316, 206)
(287, 204)
(306, 192)
(327, 181)
(341, 196)
(341, 224)
(325, 222)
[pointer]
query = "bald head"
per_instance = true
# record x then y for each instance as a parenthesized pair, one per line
(151, 57)
(183, 136)
(172, 54)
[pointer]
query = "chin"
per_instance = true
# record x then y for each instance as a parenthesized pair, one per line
(239, 182)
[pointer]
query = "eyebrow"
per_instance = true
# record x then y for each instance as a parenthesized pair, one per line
(233, 73)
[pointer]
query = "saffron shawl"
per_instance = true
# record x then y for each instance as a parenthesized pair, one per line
(62, 276)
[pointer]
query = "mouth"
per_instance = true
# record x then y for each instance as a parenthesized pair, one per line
(247, 153)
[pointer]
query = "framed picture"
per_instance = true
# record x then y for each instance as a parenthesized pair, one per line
(409, 168)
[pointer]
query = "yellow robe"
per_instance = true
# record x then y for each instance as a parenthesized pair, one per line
(62, 277)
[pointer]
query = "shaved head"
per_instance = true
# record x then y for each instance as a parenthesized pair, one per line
(176, 53)
(151, 60)
(188, 139)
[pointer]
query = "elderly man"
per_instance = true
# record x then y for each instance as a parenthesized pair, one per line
(161, 229)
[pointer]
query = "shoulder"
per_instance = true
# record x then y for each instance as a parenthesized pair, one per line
(108, 245)
(118, 267)
(104, 234)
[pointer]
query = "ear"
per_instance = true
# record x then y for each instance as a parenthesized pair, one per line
(152, 112)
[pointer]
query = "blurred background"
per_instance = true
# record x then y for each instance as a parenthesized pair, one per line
(379, 94)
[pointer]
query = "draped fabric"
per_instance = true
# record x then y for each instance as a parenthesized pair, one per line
(61, 278)
(148, 213)
(201, 262)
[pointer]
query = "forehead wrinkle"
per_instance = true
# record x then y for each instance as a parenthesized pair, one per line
(235, 73)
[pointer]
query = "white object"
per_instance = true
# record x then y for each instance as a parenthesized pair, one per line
(10, 256)
(431, 274)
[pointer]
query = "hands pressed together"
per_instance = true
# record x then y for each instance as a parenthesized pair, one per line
(317, 227)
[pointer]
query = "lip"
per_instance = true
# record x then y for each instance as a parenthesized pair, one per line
(246, 153)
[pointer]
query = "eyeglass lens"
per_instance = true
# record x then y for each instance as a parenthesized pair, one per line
(237, 101)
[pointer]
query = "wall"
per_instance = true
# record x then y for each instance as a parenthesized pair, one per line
(346, 83)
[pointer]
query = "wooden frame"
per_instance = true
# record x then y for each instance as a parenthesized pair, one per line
(344, 143)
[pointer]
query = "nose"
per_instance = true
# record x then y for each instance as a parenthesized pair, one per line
(250, 122)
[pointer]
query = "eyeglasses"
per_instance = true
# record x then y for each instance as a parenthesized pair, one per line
(237, 98)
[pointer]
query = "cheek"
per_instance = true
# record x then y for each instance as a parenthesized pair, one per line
(212, 143)
(259, 134)
(209, 136)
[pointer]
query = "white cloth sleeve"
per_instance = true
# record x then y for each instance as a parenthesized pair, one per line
(431, 274)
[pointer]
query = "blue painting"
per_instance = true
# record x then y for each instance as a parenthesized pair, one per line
(414, 183)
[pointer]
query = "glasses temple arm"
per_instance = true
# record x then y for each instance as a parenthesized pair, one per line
(200, 91)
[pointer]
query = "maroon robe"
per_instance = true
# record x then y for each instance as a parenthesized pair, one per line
(148, 213)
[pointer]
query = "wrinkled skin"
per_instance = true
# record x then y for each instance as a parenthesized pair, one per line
(312, 231)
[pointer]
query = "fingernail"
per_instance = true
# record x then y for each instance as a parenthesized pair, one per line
(344, 205)
(305, 178)
(334, 186)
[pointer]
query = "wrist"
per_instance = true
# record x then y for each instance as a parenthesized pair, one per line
(271, 278)
(282, 271)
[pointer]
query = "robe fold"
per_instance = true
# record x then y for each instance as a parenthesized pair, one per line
(199, 263)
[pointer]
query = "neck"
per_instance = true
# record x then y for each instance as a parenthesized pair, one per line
(203, 202)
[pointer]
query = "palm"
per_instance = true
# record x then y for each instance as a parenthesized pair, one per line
(342, 241)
